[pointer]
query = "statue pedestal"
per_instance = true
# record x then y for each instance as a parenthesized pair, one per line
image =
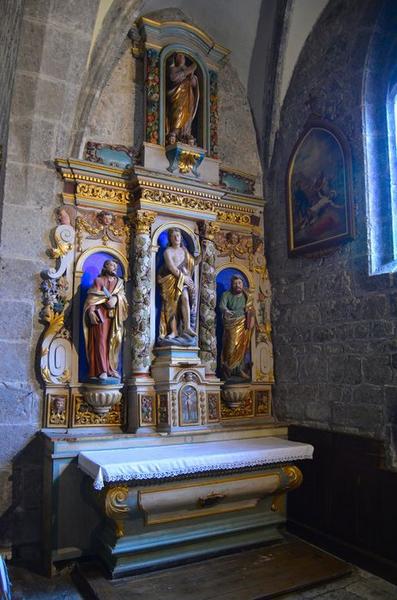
(182, 160)
(186, 400)
(102, 397)
(177, 355)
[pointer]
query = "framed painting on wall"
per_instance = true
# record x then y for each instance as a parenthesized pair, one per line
(319, 196)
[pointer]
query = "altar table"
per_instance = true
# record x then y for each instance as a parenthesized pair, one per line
(157, 462)
(174, 503)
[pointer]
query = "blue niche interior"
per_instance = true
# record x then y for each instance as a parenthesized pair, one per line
(91, 269)
(223, 281)
(162, 242)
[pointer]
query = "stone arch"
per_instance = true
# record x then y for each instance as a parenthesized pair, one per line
(110, 44)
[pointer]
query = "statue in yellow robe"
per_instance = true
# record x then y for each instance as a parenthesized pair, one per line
(238, 318)
(182, 99)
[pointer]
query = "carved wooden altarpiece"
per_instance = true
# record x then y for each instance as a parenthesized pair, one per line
(180, 238)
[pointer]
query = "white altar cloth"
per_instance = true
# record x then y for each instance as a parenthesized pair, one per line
(159, 462)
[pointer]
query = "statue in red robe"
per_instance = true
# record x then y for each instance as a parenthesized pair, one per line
(104, 312)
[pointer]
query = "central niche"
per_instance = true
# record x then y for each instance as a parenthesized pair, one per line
(176, 302)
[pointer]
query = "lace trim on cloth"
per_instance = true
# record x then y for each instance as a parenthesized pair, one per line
(103, 478)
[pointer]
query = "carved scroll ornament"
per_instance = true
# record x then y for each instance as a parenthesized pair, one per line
(55, 357)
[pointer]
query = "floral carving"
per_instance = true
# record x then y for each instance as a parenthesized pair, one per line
(262, 402)
(54, 297)
(147, 409)
(163, 408)
(152, 96)
(174, 408)
(202, 406)
(55, 289)
(141, 284)
(99, 193)
(208, 301)
(214, 114)
(213, 406)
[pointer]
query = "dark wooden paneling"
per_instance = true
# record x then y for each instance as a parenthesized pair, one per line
(348, 501)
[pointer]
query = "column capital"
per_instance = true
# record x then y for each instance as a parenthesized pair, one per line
(208, 229)
(142, 220)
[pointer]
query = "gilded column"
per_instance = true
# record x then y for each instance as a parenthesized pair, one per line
(141, 288)
(207, 339)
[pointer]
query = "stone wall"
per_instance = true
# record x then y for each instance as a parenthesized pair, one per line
(334, 326)
(10, 27)
(118, 116)
(52, 56)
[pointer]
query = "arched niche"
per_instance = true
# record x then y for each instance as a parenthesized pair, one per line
(160, 242)
(88, 268)
(201, 122)
(224, 277)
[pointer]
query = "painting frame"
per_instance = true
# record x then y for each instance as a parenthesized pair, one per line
(319, 190)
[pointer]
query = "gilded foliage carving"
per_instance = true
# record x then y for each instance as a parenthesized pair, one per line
(56, 290)
(234, 245)
(233, 218)
(84, 415)
(178, 200)
(90, 191)
(102, 226)
(245, 410)
(142, 221)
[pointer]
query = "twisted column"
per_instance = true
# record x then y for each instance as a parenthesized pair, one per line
(141, 288)
(207, 338)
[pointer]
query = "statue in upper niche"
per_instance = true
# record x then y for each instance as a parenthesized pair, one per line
(182, 99)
